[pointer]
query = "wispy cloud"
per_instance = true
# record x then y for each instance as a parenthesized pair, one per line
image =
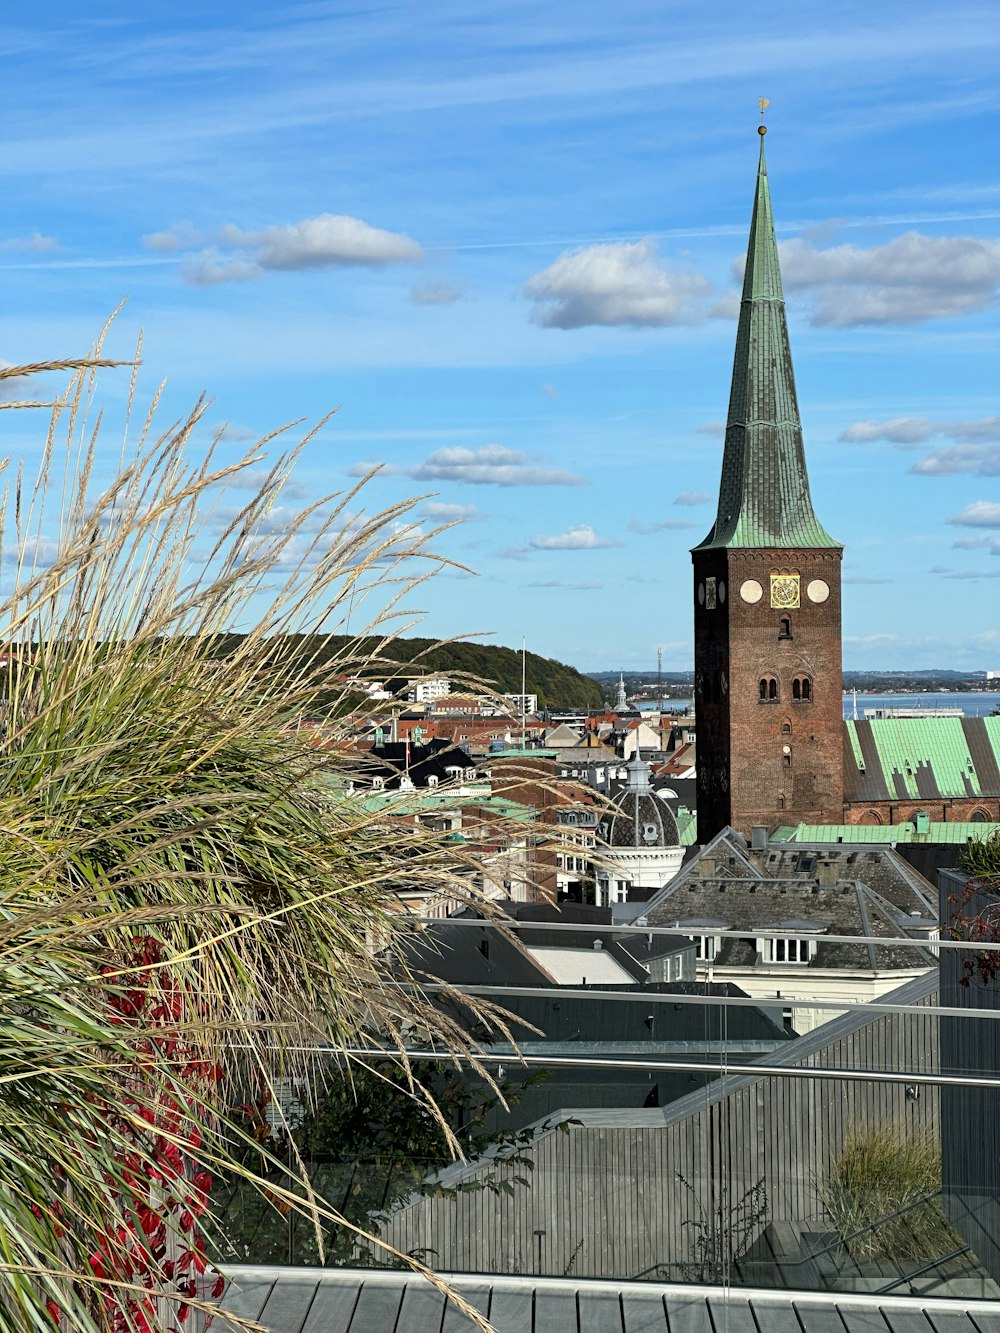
(566, 587)
(618, 284)
(664, 525)
(435, 293)
(858, 579)
(36, 243)
(692, 498)
(491, 465)
(580, 537)
(440, 512)
(714, 428)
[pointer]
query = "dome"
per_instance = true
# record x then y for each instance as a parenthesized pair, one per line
(640, 819)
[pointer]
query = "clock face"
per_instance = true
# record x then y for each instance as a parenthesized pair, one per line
(785, 592)
(751, 591)
(817, 590)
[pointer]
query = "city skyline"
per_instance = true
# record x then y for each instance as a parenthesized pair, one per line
(508, 248)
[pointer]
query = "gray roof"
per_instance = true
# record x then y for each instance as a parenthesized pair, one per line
(313, 1300)
(839, 889)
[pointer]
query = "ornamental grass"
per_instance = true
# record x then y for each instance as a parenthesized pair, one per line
(191, 901)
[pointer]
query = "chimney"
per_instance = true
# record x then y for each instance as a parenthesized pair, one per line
(706, 866)
(826, 872)
(758, 837)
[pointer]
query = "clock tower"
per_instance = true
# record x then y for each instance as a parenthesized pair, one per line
(768, 688)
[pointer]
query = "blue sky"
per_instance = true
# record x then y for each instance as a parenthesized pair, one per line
(502, 239)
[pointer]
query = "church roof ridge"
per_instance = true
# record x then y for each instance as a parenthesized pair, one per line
(764, 498)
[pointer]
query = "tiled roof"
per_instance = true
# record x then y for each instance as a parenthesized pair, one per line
(764, 494)
(870, 892)
(932, 758)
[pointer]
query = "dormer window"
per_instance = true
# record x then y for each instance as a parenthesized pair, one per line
(798, 947)
(649, 832)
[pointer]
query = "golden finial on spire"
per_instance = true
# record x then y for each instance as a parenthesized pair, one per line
(764, 103)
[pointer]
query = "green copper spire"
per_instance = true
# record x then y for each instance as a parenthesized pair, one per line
(764, 495)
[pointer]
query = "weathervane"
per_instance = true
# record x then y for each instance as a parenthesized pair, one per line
(764, 103)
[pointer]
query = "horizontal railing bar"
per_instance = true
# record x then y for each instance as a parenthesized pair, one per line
(686, 932)
(905, 1077)
(716, 1001)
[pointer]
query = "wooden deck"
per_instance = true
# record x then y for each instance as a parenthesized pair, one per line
(362, 1301)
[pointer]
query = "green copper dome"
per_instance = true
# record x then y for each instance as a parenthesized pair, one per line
(764, 494)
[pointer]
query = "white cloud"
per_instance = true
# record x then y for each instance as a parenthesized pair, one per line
(363, 468)
(982, 460)
(330, 240)
(181, 237)
(255, 478)
(567, 587)
(693, 498)
(898, 430)
(967, 544)
(624, 283)
(857, 579)
(665, 525)
(440, 512)
(979, 514)
(491, 465)
(211, 269)
(36, 243)
(908, 432)
(580, 537)
(716, 428)
(905, 281)
(17, 388)
(435, 293)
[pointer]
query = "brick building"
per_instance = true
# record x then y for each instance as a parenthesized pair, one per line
(768, 687)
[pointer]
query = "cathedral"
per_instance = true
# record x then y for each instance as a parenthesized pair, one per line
(773, 747)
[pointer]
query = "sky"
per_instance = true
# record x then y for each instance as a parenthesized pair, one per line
(503, 240)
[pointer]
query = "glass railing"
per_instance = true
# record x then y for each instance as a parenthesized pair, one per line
(678, 1132)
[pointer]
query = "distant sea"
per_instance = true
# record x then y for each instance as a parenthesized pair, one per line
(975, 704)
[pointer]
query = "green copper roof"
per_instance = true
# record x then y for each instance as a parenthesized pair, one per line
(957, 834)
(932, 759)
(764, 494)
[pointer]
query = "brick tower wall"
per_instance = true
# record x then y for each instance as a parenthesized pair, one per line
(745, 775)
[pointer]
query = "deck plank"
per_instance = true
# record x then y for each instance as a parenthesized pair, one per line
(333, 1307)
(599, 1312)
(422, 1310)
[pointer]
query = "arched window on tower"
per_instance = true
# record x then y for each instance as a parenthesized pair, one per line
(767, 690)
(802, 688)
(806, 687)
(797, 688)
(785, 627)
(786, 728)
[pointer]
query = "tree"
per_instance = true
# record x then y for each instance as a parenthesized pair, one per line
(191, 903)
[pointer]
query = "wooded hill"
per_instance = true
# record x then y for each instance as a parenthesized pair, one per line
(556, 684)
